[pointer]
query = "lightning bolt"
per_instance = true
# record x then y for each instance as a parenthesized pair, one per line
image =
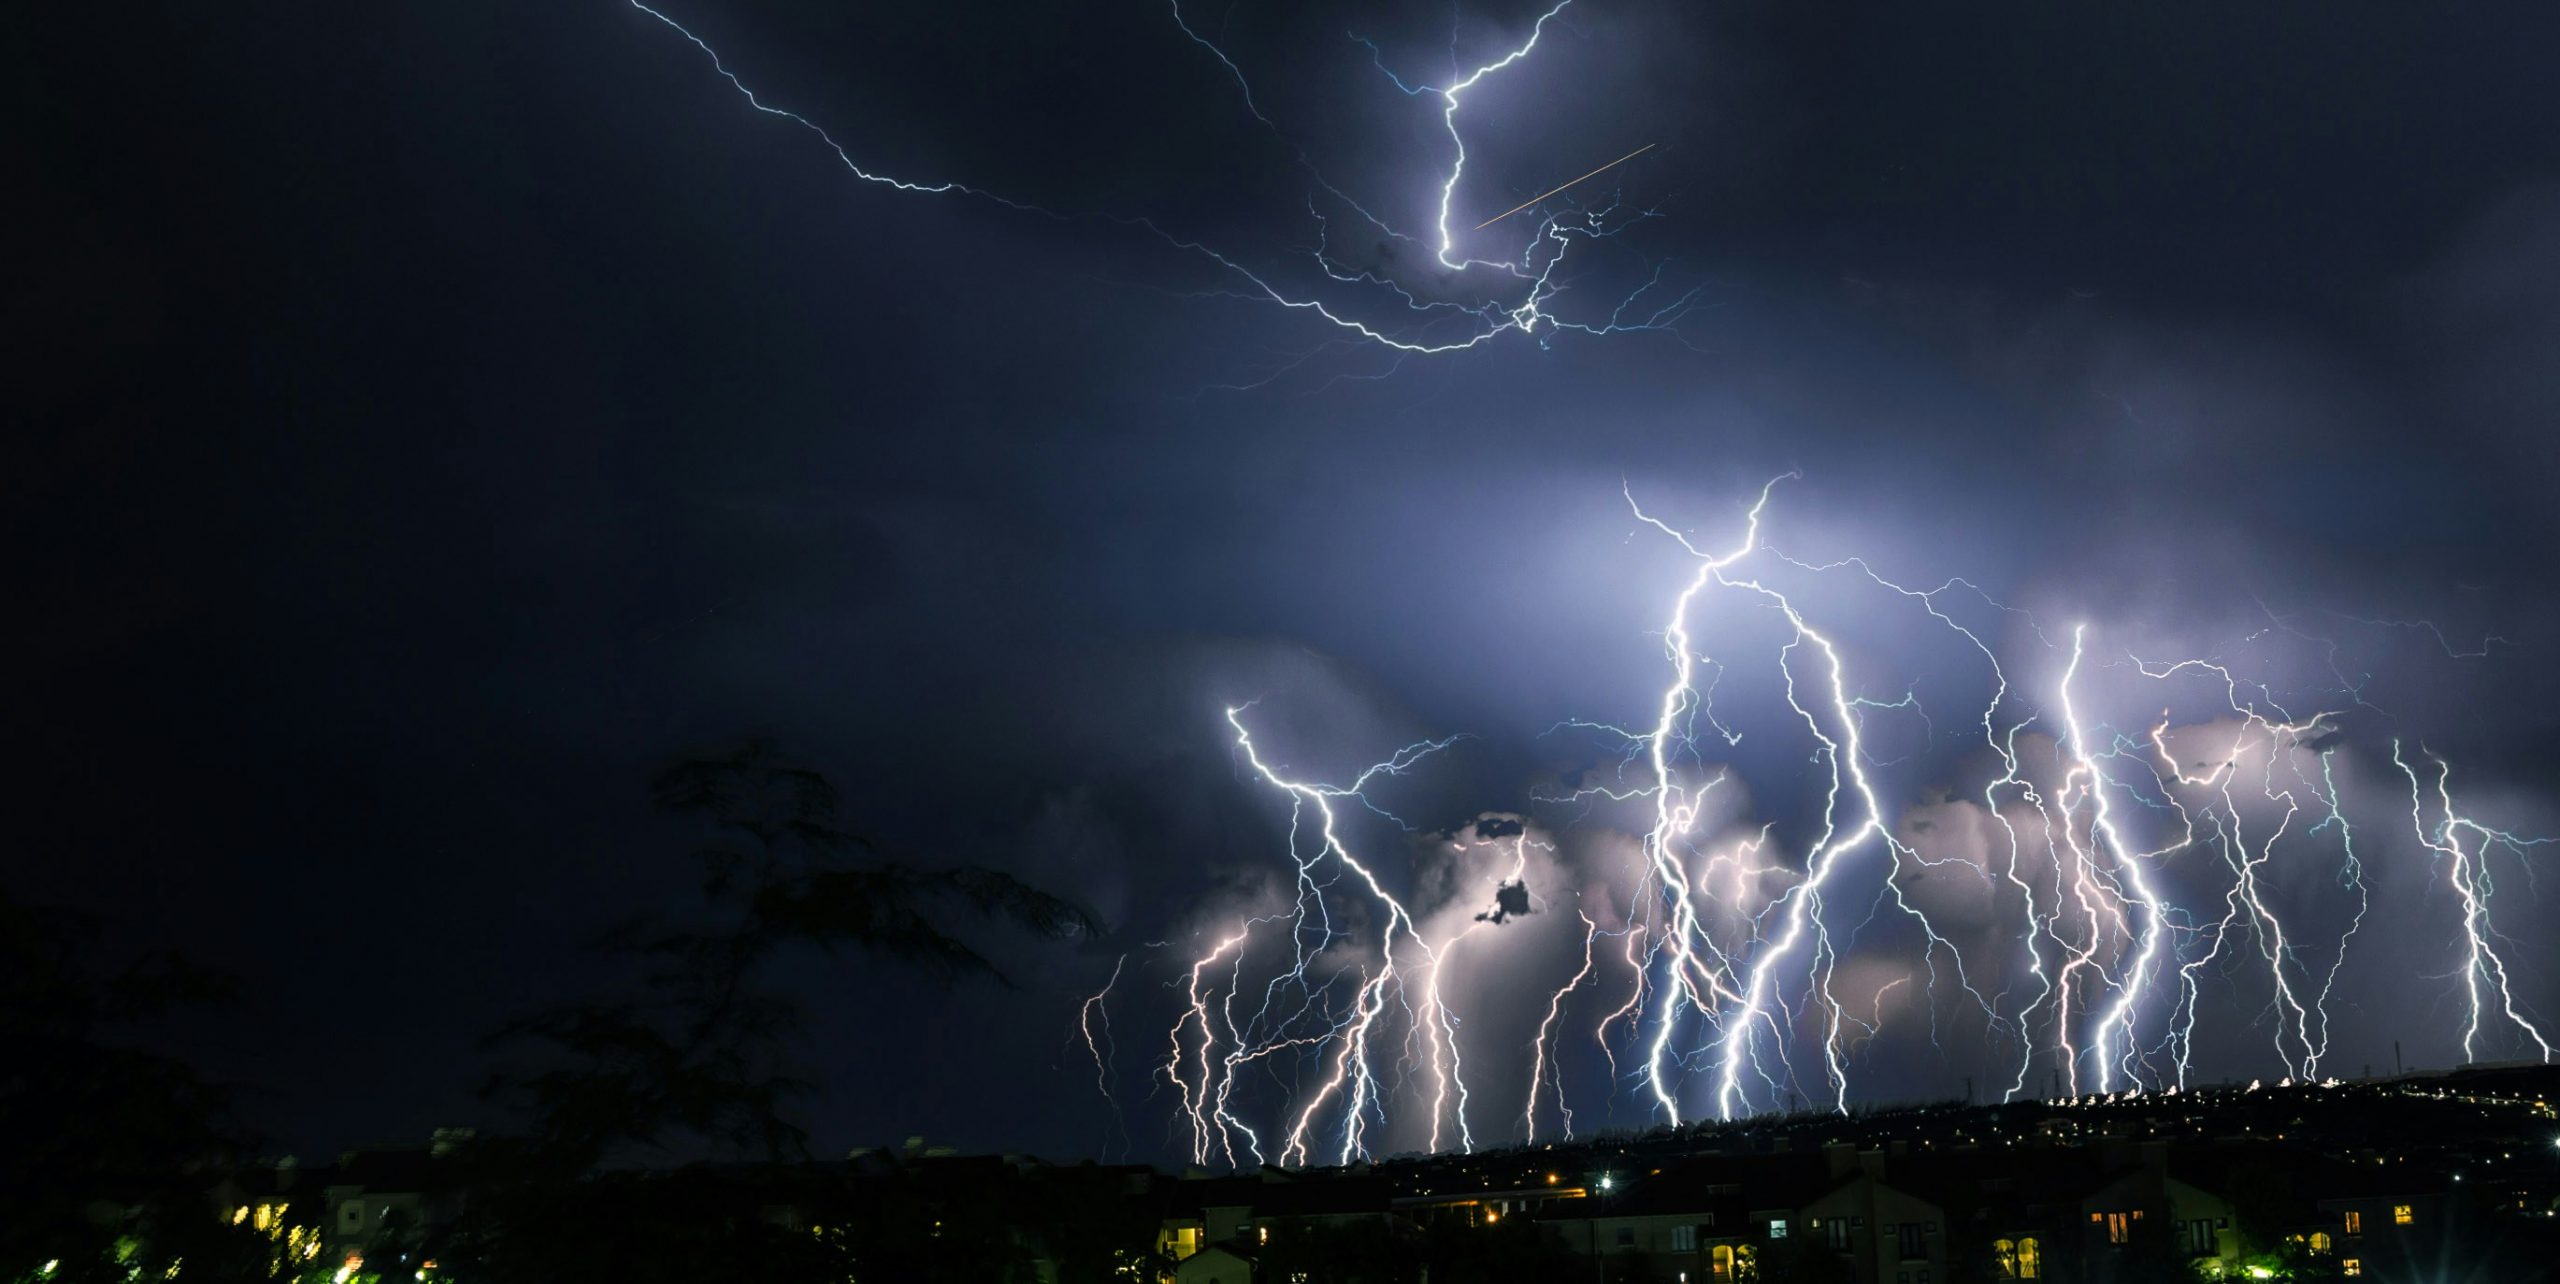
(1090, 1015)
(2130, 869)
(1406, 324)
(1541, 1054)
(2467, 873)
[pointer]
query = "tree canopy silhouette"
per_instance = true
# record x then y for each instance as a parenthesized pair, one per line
(698, 1057)
(102, 1133)
(799, 875)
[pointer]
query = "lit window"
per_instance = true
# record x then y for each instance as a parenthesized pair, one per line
(2030, 1259)
(2355, 1222)
(2321, 1243)
(2351, 1266)
(1684, 1239)
(2120, 1227)
(1722, 1261)
(2400, 1215)
(2004, 1258)
(1777, 1228)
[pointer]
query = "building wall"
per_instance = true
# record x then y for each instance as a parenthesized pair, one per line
(2145, 1213)
(2204, 1224)
(1213, 1266)
(1874, 1238)
(2385, 1231)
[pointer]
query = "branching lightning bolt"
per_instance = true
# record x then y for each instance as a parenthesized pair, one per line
(2131, 870)
(1407, 323)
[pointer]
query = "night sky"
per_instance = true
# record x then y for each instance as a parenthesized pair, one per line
(433, 418)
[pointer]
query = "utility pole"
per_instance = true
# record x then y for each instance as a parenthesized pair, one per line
(2396, 1070)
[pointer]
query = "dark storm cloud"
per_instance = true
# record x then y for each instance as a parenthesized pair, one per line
(448, 414)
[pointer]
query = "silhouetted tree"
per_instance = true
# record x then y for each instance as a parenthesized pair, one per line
(699, 1055)
(697, 1063)
(105, 1147)
(798, 876)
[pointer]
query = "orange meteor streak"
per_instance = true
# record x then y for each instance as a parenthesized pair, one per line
(1553, 190)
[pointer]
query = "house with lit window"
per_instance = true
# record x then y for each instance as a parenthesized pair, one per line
(1886, 1233)
(2144, 1213)
(1722, 1220)
(2012, 1214)
(2019, 1256)
(2379, 1228)
(391, 1200)
(1692, 1220)
(1242, 1215)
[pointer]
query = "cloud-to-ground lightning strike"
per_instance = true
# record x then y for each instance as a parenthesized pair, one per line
(1481, 300)
(2075, 887)
(2109, 847)
(1093, 1022)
